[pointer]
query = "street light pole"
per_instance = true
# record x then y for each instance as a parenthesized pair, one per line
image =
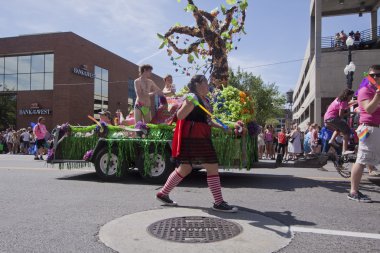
(350, 68)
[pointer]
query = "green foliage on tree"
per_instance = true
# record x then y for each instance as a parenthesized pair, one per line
(267, 99)
(7, 111)
(272, 121)
(207, 43)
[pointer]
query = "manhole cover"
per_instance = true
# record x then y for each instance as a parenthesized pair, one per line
(194, 229)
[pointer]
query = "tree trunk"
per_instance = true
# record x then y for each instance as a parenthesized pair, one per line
(219, 75)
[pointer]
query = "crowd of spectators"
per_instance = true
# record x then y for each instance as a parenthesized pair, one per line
(293, 144)
(341, 37)
(17, 142)
(26, 141)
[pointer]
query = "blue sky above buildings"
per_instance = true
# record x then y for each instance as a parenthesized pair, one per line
(277, 30)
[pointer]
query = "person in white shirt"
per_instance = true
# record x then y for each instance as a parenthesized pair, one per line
(25, 137)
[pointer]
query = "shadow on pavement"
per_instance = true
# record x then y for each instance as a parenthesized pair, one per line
(280, 183)
(286, 218)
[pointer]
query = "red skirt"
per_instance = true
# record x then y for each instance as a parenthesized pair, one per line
(192, 143)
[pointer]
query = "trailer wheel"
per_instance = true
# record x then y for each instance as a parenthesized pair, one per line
(161, 169)
(106, 169)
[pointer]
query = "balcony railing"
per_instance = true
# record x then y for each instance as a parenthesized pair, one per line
(367, 40)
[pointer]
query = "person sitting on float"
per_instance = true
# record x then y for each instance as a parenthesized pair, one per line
(129, 120)
(105, 117)
(169, 89)
(162, 115)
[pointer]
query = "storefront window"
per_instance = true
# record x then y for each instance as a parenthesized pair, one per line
(105, 94)
(1, 82)
(98, 72)
(105, 75)
(37, 81)
(27, 72)
(23, 82)
(10, 82)
(10, 65)
(49, 81)
(38, 63)
(1, 65)
(49, 63)
(100, 90)
(131, 92)
(24, 64)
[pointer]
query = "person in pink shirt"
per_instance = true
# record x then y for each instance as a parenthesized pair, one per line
(334, 117)
(40, 132)
(368, 133)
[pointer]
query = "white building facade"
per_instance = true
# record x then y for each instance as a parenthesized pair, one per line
(321, 77)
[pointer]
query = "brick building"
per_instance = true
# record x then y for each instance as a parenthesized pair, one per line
(64, 78)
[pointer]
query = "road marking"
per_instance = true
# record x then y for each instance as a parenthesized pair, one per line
(335, 232)
(45, 169)
(329, 178)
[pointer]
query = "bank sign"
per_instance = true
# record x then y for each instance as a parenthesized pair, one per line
(82, 71)
(35, 111)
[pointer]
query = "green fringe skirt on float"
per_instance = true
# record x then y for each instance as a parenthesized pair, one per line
(232, 151)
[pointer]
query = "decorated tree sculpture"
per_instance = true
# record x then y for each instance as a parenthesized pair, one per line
(210, 38)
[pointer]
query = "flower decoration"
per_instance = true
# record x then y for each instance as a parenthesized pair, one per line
(143, 127)
(87, 156)
(50, 154)
(231, 104)
(253, 128)
(238, 128)
(64, 129)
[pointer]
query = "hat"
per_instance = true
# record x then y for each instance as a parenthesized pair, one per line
(105, 113)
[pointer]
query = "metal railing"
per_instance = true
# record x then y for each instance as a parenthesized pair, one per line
(366, 40)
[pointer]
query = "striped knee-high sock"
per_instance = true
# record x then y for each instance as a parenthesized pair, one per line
(174, 179)
(215, 188)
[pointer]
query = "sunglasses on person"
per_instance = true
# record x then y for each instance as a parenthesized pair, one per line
(375, 75)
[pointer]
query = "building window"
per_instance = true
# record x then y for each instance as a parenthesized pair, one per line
(131, 93)
(100, 91)
(307, 90)
(27, 72)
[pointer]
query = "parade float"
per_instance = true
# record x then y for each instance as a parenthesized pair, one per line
(147, 147)
(115, 149)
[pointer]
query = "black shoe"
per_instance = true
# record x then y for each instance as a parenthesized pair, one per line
(41, 158)
(36, 158)
(360, 197)
(225, 207)
(165, 199)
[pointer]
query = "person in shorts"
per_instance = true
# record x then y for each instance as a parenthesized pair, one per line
(40, 132)
(368, 133)
(334, 117)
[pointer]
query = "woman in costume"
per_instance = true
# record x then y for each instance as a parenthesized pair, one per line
(192, 145)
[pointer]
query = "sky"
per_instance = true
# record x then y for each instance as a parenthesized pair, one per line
(273, 48)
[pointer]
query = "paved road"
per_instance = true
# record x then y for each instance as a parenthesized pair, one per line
(43, 209)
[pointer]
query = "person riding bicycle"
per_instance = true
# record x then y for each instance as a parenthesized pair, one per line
(334, 118)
